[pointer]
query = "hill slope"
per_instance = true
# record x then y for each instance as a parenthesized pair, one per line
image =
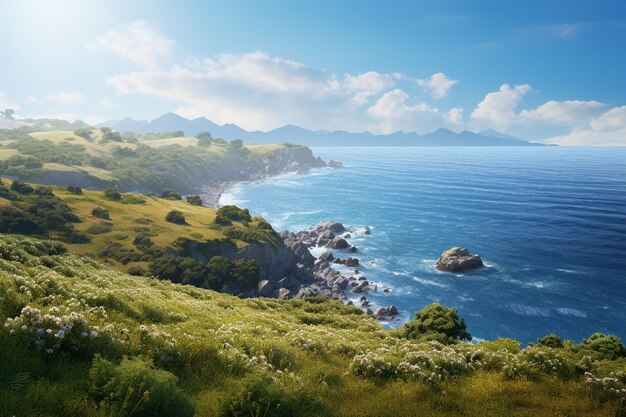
(203, 353)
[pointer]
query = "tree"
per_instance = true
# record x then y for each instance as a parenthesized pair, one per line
(194, 200)
(237, 143)
(21, 187)
(170, 194)
(100, 213)
(112, 194)
(176, 217)
(203, 135)
(178, 134)
(437, 322)
(606, 346)
(551, 340)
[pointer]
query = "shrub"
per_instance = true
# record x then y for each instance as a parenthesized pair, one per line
(99, 228)
(229, 213)
(112, 194)
(170, 194)
(74, 190)
(135, 387)
(551, 340)
(604, 346)
(136, 271)
(21, 187)
(501, 343)
(271, 397)
(52, 332)
(194, 200)
(100, 213)
(132, 199)
(437, 322)
(6, 194)
(176, 217)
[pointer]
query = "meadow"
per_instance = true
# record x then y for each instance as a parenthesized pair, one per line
(80, 338)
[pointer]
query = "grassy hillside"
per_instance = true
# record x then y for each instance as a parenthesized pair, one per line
(128, 231)
(81, 339)
(97, 158)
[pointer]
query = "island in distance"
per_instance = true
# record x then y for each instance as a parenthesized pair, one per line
(171, 122)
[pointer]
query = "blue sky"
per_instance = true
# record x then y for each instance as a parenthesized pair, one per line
(545, 70)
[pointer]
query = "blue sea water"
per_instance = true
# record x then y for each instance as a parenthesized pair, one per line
(549, 223)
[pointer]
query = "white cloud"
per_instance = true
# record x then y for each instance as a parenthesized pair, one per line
(32, 99)
(612, 119)
(498, 108)
(5, 104)
(367, 85)
(258, 91)
(137, 41)
(65, 98)
(393, 113)
(608, 129)
(454, 116)
(569, 113)
(438, 84)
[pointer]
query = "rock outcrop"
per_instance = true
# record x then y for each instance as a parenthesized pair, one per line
(458, 259)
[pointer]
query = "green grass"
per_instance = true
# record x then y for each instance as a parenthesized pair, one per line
(226, 353)
(138, 214)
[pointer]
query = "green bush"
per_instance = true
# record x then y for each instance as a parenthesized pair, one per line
(265, 396)
(170, 194)
(74, 190)
(135, 387)
(551, 340)
(437, 322)
(100, 213)
(136, 271)
(604, 346)
(21, 187)
(112, 194)
(100, 228)
(226, 214)
(176, 217)
(194, 200)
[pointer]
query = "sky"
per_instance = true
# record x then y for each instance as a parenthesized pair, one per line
(548, 71)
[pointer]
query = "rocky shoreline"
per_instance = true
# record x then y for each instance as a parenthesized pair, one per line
(328, 281)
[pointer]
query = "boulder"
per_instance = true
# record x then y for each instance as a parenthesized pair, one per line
(387, 312)
(458, 259)
(334, 164)
(265, 288)
(352, 262)
(334, 227)
(339, 243)
(352, 249)
(326, 257)
(283, 293)
(327, 235)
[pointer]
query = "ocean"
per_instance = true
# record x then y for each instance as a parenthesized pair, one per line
(549, 223)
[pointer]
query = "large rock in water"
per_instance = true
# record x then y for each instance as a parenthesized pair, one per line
(332, 226)
(458, 259)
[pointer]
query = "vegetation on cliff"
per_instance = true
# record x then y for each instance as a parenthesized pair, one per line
(82, 339)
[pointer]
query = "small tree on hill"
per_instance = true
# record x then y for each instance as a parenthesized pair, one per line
(194, 200)
(170, 194)
(437, 322)
(176, 217)
(112, 194)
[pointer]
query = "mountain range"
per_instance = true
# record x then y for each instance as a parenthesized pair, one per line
(170, 122)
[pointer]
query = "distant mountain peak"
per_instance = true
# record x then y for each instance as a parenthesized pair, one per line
(171, 121)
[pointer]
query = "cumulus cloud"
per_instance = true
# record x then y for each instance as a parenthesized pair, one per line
(137, 41)
(65, 98)
(498, 107)
(568, 113)
(607, 129)
(393, 113)
(438, 84)
(454, 116)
